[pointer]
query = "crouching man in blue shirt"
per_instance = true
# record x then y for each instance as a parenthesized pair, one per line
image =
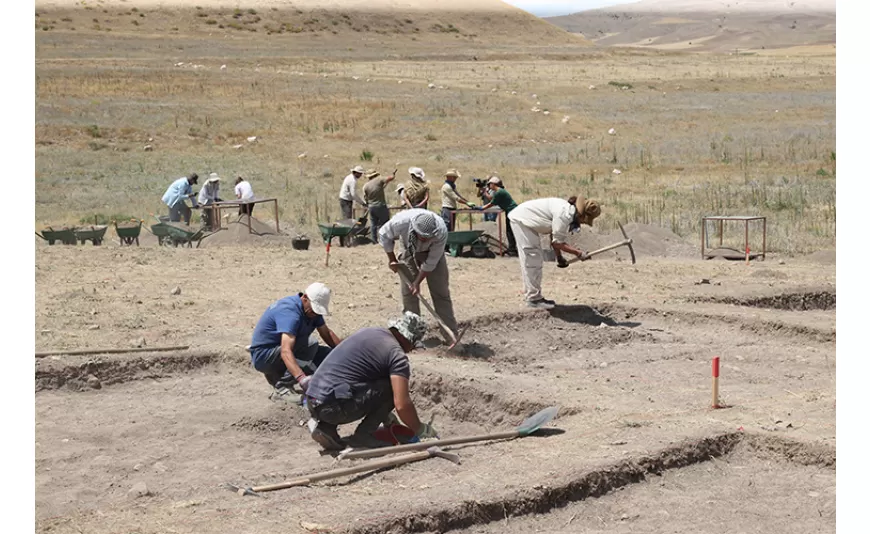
(283, 348)
(366, 377)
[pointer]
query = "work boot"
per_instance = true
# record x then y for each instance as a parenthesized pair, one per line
(541, 304)
(327, 436)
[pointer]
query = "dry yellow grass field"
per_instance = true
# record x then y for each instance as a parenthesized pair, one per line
(487, 92)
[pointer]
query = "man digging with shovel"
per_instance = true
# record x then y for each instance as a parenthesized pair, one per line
(365, 377)
(535, 218)
(424, 237)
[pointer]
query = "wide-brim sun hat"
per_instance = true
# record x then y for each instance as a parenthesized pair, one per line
(417, 171)
(452, 173)
(319, 296)
(213, 177)
(372, 174)
(358, 169)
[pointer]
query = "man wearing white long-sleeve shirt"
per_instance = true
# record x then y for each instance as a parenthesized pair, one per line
(348, 195)
(424, 237)
(556, 217)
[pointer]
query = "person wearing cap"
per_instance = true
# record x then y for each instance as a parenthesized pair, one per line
(244, 191)
(424, 238)
(282, 346)
(556, 217)
(450, 197)
(417, 189)
(400, 192)
(208, 195)
(366, 377)
(376, 199)
(348, 195)
(176, 194)
(501, 198)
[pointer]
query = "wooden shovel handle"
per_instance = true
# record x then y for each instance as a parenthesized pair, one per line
(336, 473)
(372, 453)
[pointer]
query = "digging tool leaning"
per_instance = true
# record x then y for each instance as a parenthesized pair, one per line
(430, 452)
(329, 243)
(452, 337)
(626, 242)
(527, 427)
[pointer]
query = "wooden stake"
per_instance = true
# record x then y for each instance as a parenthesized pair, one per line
(716, 382)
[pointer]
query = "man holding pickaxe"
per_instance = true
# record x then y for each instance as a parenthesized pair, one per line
(424, 238)
(556, 217)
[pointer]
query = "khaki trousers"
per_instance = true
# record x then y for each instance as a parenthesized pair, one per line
(439, 288)
(531, 259)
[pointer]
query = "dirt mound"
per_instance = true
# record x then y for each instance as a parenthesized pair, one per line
(826, 257)
(236, 232)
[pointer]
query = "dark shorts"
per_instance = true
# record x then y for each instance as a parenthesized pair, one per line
(308, 357)
(372, 399)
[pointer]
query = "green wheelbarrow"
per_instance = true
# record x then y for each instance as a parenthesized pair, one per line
(346, 231)
(64, 235)
(456, 241)
(128, 231)
(94, 234)
(169, 234)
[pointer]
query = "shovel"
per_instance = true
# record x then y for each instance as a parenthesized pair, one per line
(529, 426)
(625, 242)
(430, 452)
(452, 337)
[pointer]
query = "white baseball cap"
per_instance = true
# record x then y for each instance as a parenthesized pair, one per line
(417, 171)
(319, 295)
(494, 180)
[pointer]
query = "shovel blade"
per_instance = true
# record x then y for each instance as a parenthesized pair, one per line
(535, 422)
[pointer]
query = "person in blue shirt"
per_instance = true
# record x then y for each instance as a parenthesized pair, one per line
(176, 194)
(282, 347)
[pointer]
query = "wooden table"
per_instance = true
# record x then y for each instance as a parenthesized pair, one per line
(499, 217)
(224, 204)
(745, 219)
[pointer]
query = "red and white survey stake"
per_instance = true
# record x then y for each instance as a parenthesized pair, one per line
(716, 382)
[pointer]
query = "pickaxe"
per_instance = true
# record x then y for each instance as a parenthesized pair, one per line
(626, 242)
(431, 452)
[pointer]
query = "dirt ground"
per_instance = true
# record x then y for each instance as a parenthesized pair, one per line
(626, 357)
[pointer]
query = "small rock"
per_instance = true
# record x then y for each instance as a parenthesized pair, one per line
(137, 467)
(148, 148)
(176, 290)
(602, 365)
(782, 262)
(538, 486)
(94, 382)
(139, 342)
(93, 327)
(252, 139)
(611, 131)
(702, 281)
(139, 489)
(161, 467)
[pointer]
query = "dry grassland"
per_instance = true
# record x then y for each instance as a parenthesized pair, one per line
(695, 134)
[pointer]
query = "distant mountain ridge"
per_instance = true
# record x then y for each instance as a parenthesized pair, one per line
(707, 25)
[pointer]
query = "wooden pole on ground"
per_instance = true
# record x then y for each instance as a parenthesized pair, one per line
(109, 351)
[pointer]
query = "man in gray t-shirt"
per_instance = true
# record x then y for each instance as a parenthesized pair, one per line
(365, 377)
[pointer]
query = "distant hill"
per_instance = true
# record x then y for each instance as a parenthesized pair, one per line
(490, 21)
(708, 25)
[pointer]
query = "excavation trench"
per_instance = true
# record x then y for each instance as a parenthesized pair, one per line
(81, 374)
(799, 301)
(542, 499)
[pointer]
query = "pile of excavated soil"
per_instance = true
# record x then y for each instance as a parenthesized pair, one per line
(826, 257)
(647, 240)
(235, 232)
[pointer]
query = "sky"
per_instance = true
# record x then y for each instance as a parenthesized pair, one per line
(552, 8)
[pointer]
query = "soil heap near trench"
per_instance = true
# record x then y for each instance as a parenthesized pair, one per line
(235, 232)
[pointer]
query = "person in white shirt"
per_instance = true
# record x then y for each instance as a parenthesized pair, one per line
(348, 195)
(244, 191)
(424, 237)
(208, 195)
(450, 199)
(556, 217)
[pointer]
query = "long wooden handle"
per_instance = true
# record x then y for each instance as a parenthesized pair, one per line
(407, 279)
(603, 249)
(373, 453)
(108, 351)
(335, 473)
